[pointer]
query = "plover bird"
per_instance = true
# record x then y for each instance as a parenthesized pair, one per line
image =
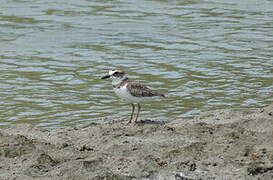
(129, 90)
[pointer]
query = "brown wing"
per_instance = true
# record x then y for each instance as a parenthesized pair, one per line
(138, 90)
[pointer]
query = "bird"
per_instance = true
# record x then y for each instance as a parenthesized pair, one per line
(130, 90)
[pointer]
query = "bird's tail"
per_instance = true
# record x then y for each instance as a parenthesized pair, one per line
(162, 95)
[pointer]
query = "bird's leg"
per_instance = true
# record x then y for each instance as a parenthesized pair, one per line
(139, 107)
(132, 113)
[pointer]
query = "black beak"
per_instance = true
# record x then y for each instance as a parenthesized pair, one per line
(105, 77)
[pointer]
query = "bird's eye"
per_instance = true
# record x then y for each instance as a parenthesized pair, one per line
(115, 73)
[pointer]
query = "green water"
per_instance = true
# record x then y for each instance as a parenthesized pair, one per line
(204, 55)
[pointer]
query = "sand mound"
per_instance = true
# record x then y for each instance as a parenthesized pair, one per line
(215, 145)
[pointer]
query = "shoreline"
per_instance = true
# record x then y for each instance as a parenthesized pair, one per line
(232, 144)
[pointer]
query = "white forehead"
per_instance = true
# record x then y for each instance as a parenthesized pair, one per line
(111, 72)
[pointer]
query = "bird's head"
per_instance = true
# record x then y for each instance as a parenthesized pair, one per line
(116, 75)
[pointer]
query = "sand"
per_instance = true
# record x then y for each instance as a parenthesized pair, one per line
(215, 145)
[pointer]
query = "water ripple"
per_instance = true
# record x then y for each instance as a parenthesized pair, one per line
(204, 55)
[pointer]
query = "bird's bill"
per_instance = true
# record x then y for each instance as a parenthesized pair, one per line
(105, 77)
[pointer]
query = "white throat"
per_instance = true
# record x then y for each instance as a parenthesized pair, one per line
(116, 81)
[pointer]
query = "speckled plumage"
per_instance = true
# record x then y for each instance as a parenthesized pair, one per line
(129, 90)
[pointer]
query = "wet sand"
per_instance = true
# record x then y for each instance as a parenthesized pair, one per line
(215, 145)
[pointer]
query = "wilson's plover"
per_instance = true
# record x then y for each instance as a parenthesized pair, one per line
(130, 90)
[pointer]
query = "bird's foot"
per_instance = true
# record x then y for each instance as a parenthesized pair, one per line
(129, 122)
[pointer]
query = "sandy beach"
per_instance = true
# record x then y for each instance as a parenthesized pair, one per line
(232, 144)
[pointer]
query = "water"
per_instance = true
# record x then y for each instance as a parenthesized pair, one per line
(205, 55)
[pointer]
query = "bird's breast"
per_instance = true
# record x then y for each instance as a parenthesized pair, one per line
(123, 93)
